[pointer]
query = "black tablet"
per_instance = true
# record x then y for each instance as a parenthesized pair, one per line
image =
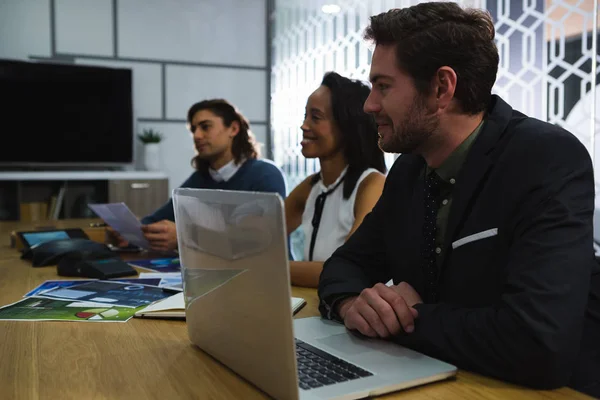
(32, 238)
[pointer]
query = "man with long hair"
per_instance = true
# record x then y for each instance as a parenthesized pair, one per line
(485, 220)
(227, 158)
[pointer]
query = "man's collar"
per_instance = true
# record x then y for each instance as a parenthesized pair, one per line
(226, 172)
(451, 166)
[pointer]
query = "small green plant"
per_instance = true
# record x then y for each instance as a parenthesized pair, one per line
(150, 136)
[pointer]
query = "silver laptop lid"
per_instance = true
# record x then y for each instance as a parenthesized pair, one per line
(233, 253)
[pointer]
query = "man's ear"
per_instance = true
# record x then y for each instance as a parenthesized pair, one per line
(234, 129)
(444, 86)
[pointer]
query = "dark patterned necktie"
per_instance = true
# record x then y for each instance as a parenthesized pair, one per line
(428, 248)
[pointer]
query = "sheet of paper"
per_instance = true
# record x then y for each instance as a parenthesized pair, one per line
(119, 217)
(166, 279)
(47, 285)
(164, 264)
(175, 302)
(41, 309)
(160, 275)
(108, 292)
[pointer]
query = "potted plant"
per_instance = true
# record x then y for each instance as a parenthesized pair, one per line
(151, 140)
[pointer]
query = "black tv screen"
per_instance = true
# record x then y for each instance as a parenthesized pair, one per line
(63, 114)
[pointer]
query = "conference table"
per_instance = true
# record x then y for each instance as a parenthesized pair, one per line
(151, 359)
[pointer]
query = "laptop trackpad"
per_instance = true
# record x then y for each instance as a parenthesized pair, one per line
(349, 344)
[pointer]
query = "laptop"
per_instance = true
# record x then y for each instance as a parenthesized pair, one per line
(234, 259)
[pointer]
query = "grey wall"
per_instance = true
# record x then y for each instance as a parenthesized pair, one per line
(180, 52)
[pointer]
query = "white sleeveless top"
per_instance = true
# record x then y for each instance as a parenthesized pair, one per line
(337, 218)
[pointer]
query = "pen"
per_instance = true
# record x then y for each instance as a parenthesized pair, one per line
(97, 224)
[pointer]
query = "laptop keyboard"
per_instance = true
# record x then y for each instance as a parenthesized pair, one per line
(317, 368)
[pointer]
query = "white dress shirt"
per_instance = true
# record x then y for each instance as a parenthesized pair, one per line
(226, 172)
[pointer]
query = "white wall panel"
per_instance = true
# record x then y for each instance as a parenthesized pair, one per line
(176, 150)
(246, 89)
(84, 27)
(24, 28)
(147, 85)
(204, 31)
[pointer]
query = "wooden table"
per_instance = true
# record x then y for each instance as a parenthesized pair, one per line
(150, 359)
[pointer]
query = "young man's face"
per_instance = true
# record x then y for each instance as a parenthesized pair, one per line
(404, 123)
(212, 139)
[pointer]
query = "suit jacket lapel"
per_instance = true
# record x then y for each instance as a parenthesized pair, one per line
(408, 220)
(476, 166)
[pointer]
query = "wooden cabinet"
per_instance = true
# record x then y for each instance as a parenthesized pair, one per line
(51, 195)
(142, 196)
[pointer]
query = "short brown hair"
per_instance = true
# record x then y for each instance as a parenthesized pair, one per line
(244, 144)
(432, 35)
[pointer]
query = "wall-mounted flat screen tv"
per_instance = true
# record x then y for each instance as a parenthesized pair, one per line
(64, 114)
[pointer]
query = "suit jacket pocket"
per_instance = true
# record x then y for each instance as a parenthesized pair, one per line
(474, 273)
(475, 237)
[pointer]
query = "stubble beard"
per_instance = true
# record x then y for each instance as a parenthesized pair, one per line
(412, 133)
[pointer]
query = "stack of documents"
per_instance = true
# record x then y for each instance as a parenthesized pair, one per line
(86, 300)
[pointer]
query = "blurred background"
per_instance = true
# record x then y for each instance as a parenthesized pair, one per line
(548, 55)
(267, 56)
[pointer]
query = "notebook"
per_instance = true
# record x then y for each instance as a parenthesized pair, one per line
(174, 307)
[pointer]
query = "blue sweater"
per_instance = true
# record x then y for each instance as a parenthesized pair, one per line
(253, 176)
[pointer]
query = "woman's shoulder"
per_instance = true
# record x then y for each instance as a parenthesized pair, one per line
(301, 193)
(304, 187)
(371, 179)
(368, 177)
(371, 172)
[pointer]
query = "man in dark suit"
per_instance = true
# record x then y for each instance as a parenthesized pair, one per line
(485, 222)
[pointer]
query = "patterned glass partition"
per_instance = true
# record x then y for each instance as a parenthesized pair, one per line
(548, 54)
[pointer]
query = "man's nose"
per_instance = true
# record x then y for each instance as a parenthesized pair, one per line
(371, 105)
(197, 132)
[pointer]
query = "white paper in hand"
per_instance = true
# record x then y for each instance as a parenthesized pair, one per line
(119, 217)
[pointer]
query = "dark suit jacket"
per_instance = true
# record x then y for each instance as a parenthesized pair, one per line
(522, 305)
